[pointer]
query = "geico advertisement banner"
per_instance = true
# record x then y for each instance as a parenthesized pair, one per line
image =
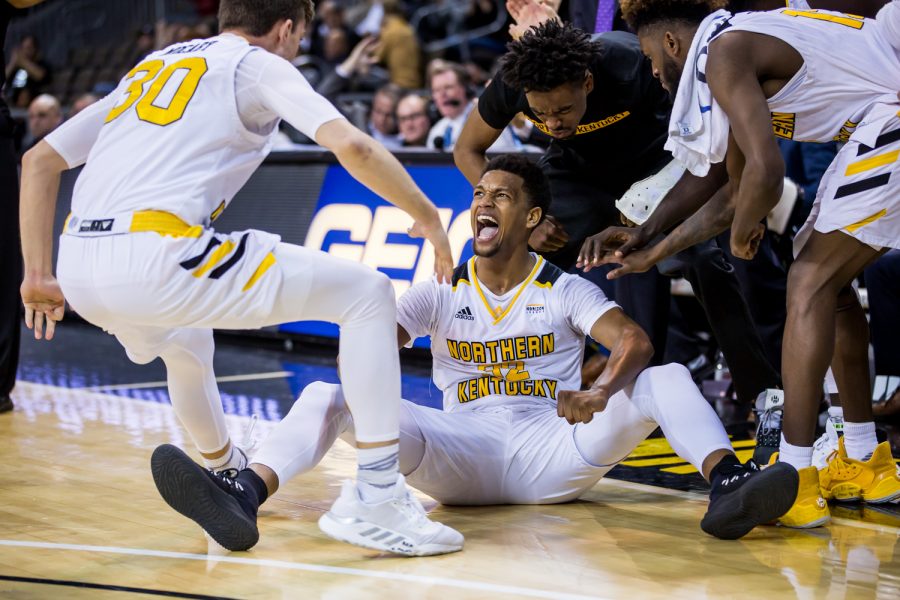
(353, 223)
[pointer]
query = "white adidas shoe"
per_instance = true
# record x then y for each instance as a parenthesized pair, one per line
(827, 442)
(399, 525)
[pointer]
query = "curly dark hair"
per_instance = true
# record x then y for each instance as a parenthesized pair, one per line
(642, 13)
(548, 56)
(535, 183)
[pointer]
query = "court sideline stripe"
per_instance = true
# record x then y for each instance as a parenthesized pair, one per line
(112, 588)
(294, 566)
(155, 384)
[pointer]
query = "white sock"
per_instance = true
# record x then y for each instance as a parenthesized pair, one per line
(836, 412)
(859, 439)
(798, 457)
(377, 473)
(233, 459)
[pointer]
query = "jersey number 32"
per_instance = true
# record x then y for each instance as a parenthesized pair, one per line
(155, 71)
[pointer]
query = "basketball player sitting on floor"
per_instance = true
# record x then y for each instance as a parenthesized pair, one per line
(507, 339)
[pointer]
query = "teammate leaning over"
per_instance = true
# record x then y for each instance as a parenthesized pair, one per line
(165, 153)
(507, 339)
(813, 76)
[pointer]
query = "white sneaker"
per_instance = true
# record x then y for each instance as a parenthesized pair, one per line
(398, 525)
(827, 443)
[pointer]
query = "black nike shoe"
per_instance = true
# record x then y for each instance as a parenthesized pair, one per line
(223, 507)
(747, 497)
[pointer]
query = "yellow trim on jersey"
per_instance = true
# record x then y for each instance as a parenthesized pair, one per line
(874, 162)
(264, 266)
(866, 221)
(163, 223)
(214, 258)
(852, 21)
(215, 214)
(499, 313)
(465, 281)
(66, 224)
(546, 285)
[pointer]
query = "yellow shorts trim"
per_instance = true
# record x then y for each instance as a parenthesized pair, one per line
(860, 224)
(264, 266)
(163, 223)
(861, 166)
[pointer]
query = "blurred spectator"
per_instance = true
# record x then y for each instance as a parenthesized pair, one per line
(26, 72)
(383, 116)
(144, 44)
(805, 163)
(454, 97)
(399, 48)
(44, 115)
(356, 73)
(82, 102)
(330, 38)
(413, 120)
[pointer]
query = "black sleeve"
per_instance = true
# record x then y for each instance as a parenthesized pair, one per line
(499, 103)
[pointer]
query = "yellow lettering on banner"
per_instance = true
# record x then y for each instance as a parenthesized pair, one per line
(783, 124)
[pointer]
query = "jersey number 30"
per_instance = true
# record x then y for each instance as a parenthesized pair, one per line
(153, 70)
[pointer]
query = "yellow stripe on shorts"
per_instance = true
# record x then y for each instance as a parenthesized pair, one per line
(163, 223)
(860, 224)
(264, 266)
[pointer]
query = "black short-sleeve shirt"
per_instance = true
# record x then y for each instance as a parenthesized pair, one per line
(621, 136)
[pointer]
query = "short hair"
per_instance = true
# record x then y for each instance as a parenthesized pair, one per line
(548, 56)
(643, 13)
(535, 183)
(440, 66)
(390, 90)
(258, 17)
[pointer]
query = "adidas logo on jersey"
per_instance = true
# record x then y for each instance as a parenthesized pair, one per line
(465, 314)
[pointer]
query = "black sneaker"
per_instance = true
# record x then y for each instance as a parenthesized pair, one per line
(6, 404)
(747, 497)
(769, 410)
(215, 501)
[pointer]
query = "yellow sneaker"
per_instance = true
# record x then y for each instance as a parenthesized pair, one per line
(846, 479)
(810, 508)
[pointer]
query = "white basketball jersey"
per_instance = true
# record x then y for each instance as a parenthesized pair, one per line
(849, 66)
(517, 349)
(174, 140)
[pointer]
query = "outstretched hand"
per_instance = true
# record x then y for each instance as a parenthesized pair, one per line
(44, 305)
(528, 14)
(609, 245)
(443, 257)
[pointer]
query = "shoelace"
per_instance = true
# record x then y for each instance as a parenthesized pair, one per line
(229, 478)
(412, 508)
(765, 422)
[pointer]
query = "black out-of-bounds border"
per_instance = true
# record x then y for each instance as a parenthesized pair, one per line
(112, 588)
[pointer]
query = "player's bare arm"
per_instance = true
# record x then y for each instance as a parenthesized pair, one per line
(470, 149)
(41, 294)
(734, 72)
(630, 352)
(376, 168)
(683, 200)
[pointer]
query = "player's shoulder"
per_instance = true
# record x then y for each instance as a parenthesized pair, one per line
(550, 275)
(461, 276)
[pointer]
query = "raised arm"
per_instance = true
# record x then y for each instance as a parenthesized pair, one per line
(630, 352)
(470, 149)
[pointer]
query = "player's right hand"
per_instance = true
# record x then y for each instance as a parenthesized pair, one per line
(618, 241)
(443, 257)
(528, 14)
(548, 236)
(44, 305)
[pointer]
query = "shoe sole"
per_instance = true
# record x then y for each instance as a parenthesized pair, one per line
(766, 497)
(352, 533)
(185, 487)
(812, 524)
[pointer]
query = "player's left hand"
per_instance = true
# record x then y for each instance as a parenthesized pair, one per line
(443, 257)
(579, 407)
(745, 244)
(44, 303)
(528, 14)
